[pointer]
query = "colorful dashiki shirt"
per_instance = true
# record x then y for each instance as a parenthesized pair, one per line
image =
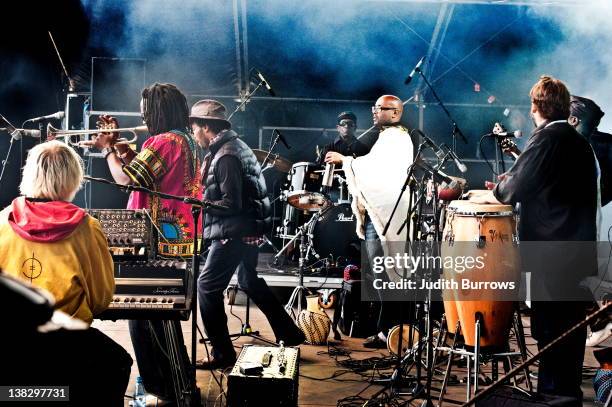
(168, 163)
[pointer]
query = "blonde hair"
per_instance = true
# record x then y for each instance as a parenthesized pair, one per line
(53, 171)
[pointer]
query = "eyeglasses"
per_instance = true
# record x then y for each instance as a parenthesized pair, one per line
(346, 123)
(376, 109)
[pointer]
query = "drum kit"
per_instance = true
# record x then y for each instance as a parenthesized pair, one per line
(316, 204)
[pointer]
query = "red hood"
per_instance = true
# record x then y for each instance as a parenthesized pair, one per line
(44, 221)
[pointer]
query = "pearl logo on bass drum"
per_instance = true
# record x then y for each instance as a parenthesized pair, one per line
(343, 218)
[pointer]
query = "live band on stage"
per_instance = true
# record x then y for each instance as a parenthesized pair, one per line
(443, 261)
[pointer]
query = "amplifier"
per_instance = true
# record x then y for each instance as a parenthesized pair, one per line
(129, 232)
(275, 380)
(159, 289)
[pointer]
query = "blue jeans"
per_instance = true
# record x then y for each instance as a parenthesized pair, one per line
(221, 263)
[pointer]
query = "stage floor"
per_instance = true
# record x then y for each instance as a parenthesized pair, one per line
(313, 364)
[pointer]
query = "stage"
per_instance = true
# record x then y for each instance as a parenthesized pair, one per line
(315, 362)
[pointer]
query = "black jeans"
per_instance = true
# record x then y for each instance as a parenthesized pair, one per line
(560, 369)
(150, 349)
(221, 263)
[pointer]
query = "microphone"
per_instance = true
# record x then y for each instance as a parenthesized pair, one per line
(437, 150)
(282, 139)
(416, 68)
(438, 175)
(515, 133)
(460, 165)
(18, 133)
(55, 116)
(266, 84)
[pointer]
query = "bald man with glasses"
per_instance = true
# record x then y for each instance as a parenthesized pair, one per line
(375, 181)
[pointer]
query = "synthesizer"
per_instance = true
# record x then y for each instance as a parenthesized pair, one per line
(129, 232)
(145, 287)
(158, 289)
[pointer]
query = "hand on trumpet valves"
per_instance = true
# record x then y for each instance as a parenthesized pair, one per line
(104, 140)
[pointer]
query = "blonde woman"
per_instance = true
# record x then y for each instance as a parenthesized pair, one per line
(53, 244)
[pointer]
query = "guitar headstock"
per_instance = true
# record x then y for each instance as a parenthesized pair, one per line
(498, 129)
(506, 144)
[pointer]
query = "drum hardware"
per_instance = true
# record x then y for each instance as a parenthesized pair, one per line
(492, 320)
(272, 161)
(305, 249)
(423, 309)
(304, 191)
(328, 176)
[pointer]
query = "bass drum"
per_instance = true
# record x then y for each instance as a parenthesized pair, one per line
(333, 235)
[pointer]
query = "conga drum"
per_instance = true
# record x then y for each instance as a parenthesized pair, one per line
(488, 233)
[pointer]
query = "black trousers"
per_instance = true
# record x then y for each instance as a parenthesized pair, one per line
(150, 348)
(221, 263)
(560, 369)
(94, 367)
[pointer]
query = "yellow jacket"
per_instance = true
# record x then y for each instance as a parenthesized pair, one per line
(76, 270)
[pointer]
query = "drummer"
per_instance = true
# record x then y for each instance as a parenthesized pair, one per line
(346, 143)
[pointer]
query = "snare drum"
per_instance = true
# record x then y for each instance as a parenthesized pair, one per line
(488, 232)
(305, 187)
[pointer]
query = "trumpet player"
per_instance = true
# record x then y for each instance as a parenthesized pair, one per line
(167, 163)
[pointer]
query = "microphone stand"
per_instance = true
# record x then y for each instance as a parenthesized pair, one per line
(395, 381)
(418, 391)
(10, 129)
(456, 129)
(406, 182)
(274, 143)
(246, 99)
(197, 207)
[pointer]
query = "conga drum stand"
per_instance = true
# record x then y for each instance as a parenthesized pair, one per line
(477, 356)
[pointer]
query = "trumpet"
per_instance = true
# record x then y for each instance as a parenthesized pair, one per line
(58, 133)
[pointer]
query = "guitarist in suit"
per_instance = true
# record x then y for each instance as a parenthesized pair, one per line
(555, 180)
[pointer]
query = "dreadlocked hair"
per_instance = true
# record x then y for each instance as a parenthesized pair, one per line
(165, 108)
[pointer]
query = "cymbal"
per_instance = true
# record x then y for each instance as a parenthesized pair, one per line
(278, 162)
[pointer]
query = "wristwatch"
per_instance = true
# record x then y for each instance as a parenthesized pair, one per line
(106, 151)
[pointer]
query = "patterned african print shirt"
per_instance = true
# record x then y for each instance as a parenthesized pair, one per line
(168, 163)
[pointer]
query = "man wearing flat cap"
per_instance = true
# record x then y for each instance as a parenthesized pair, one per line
(232, 177)
(346, 143)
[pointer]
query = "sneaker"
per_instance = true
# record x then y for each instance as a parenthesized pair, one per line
(374, 342)
(154, 401)
(597, 337)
